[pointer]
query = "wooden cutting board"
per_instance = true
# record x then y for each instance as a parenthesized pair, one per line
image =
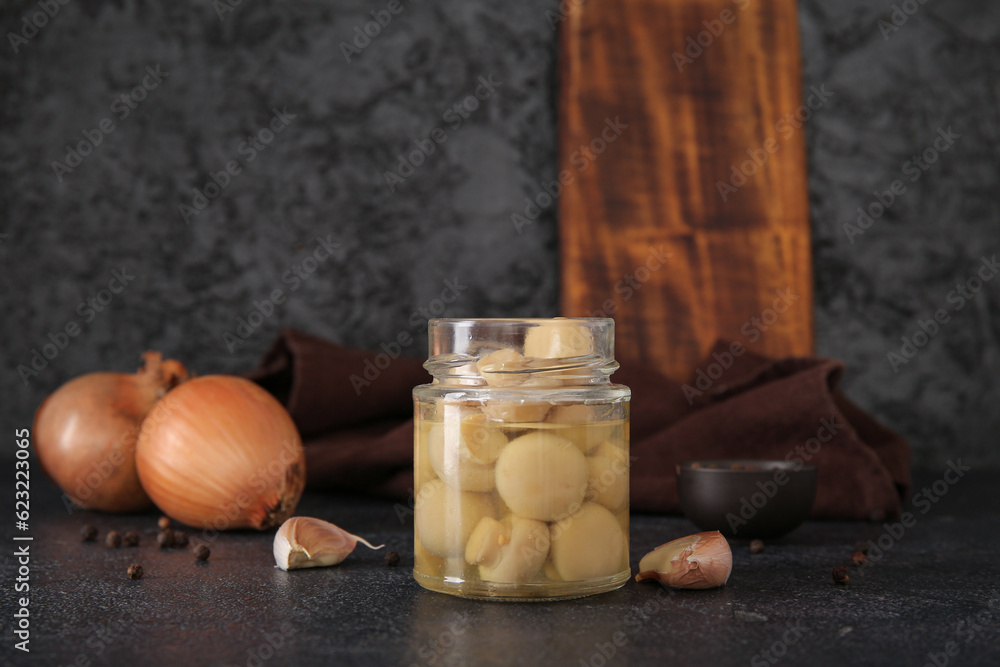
(667, 222)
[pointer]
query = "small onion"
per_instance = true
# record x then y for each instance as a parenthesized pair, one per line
(220, 452)
(85, 433)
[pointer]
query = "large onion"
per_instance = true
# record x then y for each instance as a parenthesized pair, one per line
(219, 452)
(86, 431)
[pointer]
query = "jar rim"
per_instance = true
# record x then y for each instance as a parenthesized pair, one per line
(574, 349)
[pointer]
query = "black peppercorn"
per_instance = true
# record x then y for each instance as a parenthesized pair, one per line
(88, 533)
(131, 539)
(135, 571)
(113, 539)
(163, 523)
(859, 558)
(756, 546)
(392, 558)
(165, 538)
(180, 538)
(841, 575)
(202, 552)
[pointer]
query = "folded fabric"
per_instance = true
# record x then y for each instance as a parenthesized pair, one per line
(354, 409)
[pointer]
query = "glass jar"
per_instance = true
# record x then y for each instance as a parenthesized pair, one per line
(521, 460)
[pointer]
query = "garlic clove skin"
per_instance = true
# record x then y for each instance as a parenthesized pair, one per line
(307, 542)
(702, 560)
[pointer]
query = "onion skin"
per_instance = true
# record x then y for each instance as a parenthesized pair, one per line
(221, 453)
(86, 431)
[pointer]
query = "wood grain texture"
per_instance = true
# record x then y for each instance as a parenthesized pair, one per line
(653, 189)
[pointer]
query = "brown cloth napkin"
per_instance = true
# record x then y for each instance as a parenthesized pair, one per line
(354, 409)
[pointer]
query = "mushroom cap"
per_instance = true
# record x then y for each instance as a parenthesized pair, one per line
(588, 544)
(608, 484)
(542, 476)
(462, 453)
(444, 517)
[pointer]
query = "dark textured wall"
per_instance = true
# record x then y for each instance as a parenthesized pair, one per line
(391, 250)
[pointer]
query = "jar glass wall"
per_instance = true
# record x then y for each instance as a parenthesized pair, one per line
(521, 460)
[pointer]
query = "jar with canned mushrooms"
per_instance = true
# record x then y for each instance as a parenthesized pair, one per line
(521, 460)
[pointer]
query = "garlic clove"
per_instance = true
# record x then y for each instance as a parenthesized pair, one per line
(702, 560)
(307, 542)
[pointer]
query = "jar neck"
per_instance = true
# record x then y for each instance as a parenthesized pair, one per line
(522, 354)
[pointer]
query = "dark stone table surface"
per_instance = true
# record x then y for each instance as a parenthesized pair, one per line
(934, 589)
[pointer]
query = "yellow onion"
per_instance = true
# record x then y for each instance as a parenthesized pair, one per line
(219, 452)
(702, 560)
(85, 433)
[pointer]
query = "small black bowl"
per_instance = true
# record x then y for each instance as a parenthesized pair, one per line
(746, 498)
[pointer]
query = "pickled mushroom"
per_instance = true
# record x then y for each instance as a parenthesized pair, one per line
(445, 517)
(509, 551)
(608, 483)
(496, 368)
(542, 476)
(558, 339)
(462, 453)
(585, 425)
(587, 545)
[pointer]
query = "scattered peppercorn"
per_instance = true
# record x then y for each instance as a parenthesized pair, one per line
(392, 559)
(861, 546)
(135, 571)
(88, 533)
(165, 538)
(756, 546)
(180, 538)
(131, 539)
(841, 575)
(163, 523)
(113, 539)
(859, 558)
(202, 552)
